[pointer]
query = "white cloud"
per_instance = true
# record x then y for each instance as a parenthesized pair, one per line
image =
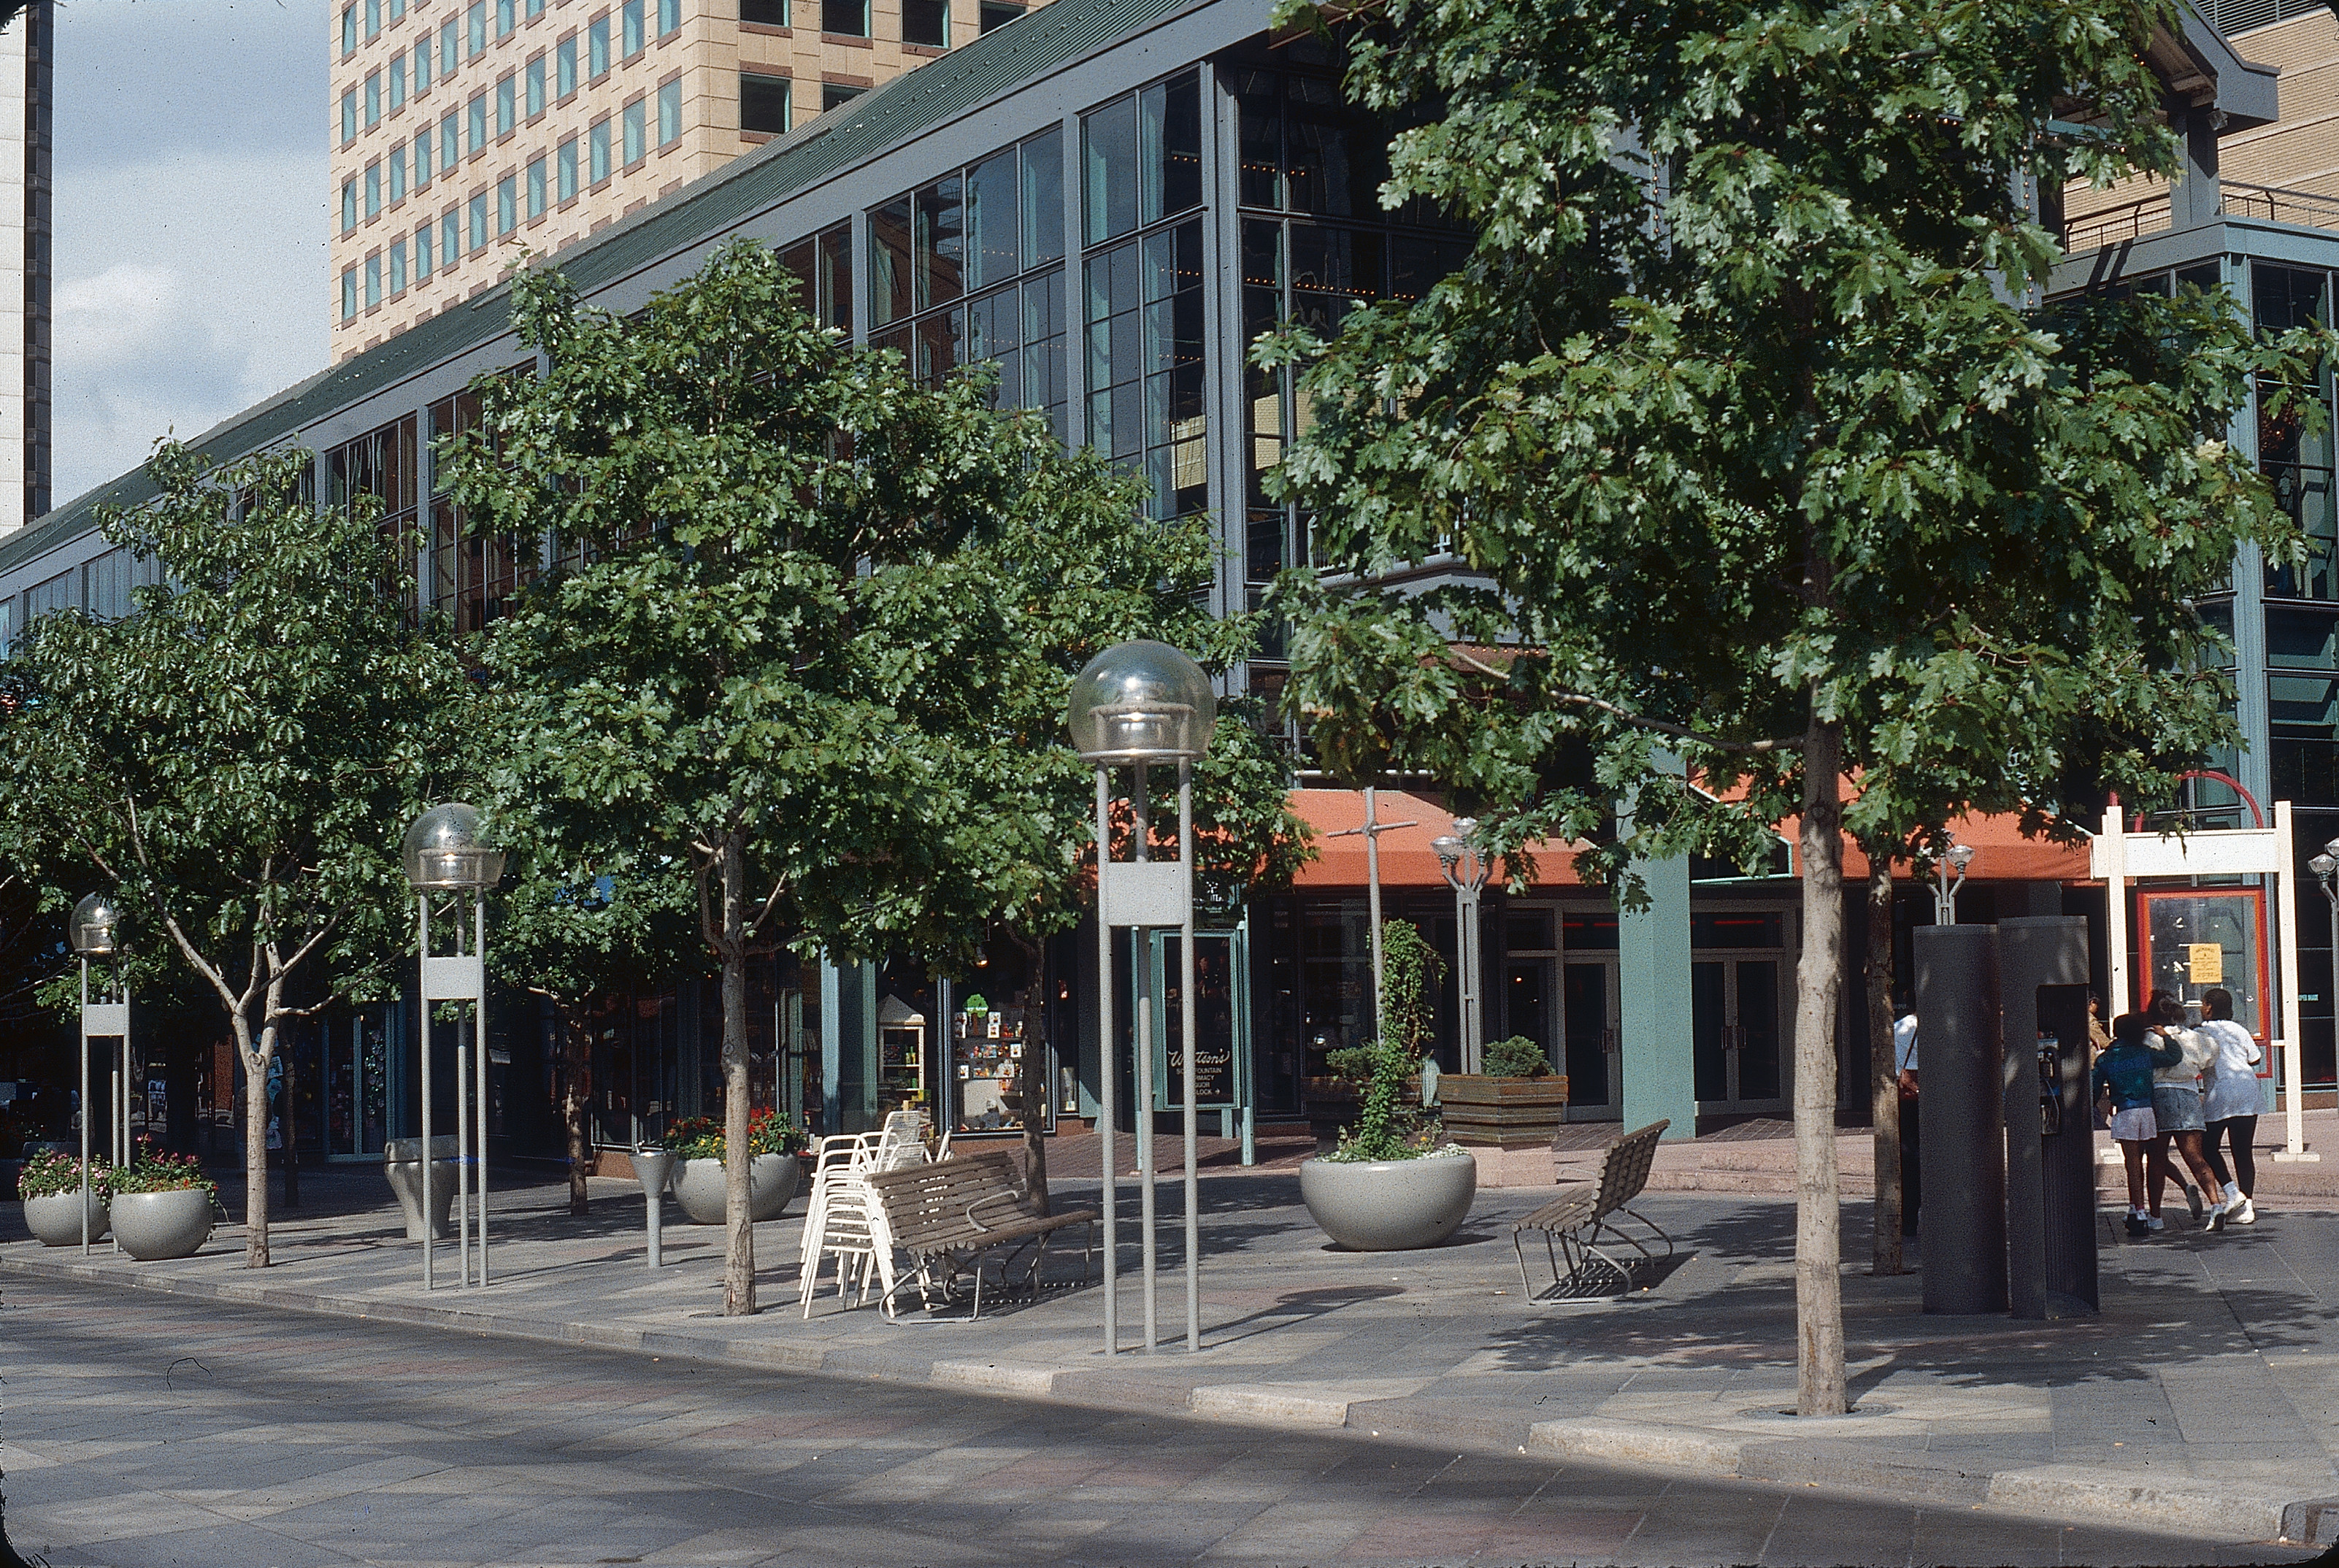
(189, 276)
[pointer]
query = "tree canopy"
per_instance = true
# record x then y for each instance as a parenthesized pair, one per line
(1760, 451)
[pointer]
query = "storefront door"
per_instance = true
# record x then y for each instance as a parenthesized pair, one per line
(357, 1085)
(1738, 1026)
(1588, 997)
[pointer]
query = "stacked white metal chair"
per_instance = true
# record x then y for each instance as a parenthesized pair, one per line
(843, 1218)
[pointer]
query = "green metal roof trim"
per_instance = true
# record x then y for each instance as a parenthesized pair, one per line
(911, 103)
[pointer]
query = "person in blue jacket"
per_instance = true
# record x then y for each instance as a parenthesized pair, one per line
(2123, 1084)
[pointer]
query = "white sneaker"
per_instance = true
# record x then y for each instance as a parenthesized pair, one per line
(2152, 1222)
(2241, 1211)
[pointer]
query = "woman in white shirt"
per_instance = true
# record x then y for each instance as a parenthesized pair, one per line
(2229, 1104)
(2177, 1111)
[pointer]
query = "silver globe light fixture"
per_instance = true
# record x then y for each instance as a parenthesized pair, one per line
(1144, 704)
(1954, 859)
(93, 931)
(447, 850)
(1465, 866)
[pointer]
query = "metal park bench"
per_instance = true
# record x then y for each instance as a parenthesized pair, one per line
(950, 1215)
(1573, 1224)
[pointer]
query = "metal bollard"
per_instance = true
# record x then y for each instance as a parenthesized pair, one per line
(653, 1165)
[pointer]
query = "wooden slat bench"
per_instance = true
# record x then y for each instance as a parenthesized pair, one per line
(1573, 1223)
(950, 1215)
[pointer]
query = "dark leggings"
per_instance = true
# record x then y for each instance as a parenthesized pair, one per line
(2240, 1132)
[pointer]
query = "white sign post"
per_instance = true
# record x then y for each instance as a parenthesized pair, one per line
(2121, 857)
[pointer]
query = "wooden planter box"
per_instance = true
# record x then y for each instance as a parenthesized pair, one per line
(1331, 1104)
(1502, 1112)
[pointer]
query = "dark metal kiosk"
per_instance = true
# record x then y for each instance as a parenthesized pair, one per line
(2008, 1148)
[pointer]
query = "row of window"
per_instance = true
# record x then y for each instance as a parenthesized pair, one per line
(409, 72)
(547, 181)
(924, 22)
(102, 586)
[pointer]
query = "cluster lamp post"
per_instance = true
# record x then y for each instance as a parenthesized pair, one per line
(446, 852)
(1945, 891)
(1466, 867)
(1142, 704)
(93, 922)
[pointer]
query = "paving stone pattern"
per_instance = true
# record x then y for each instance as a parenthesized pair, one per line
(2204, 1397)
(147, 1430)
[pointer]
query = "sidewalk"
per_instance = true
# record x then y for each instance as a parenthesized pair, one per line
(2203, 1399)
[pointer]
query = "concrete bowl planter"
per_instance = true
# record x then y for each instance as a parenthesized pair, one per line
(55, 1220)
(155, 1225)
(771, 1181)
(1389, 1206)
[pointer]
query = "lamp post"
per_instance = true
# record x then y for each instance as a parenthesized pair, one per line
(1142, 704)
(1945, 893)
(1465, 865)
(2323, 866)
(94, 936)
(446, 851)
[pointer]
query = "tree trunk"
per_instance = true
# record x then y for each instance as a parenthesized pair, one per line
(255, 1148)
(576, 1100)
(739, 1229)
(1033, 1079)
(289, 1129)
(1883, 1082)
(1819, 1281)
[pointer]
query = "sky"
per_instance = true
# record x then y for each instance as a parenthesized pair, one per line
(190, 164)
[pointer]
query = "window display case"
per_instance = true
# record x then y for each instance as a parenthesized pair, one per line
(988, 1045)
(901, 1056)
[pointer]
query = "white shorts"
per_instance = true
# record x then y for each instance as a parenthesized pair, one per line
(2134, 1125)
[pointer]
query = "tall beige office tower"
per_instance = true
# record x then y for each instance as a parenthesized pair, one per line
(467, 130)
(26, 82)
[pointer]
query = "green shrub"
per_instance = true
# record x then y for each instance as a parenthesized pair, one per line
(1518, 1057)
(1387, 1128)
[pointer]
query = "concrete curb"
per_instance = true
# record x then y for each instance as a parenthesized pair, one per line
(2053, 1490)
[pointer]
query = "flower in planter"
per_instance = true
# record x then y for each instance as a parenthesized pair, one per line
(153, 1170)
(701, 1136)
(54, 1173)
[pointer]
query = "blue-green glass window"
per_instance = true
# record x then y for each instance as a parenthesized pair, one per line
(423, 253)
(823, 266)
(2296, 458)
(398, 175)
(450, 148)
(348, 29)
(564, 159)
(475, 31)
(397, 82)
(596, 48)
(507, 205)
(669, 100)
(890, 295)
(348, 295)
(373, 20)
(348, 116)
(373, 280)
(423, 61)
(398, 265)
(1145, 404)
(374, 190)
(564, 57)
(636, 121)
(507, 17)
(373, 99)
(450, 236)
(1043, 198)
(349, 205)
(1143, 158)
(478, 215)
(477, 112)
(536, 87)
(450, 47)
(536, 188)
(670, 17)
(994, 222)
(598, 141)
(1108, 138)
(507, 105)
(633, 28)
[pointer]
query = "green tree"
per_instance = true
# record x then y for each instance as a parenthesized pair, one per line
(1757, 450)
(239, 756)
(794, 643)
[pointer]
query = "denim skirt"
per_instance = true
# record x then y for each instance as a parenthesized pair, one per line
(2176, 1110)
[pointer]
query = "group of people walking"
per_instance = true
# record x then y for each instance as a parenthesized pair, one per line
(2160, 1083)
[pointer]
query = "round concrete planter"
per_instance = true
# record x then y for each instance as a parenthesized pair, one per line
(57, 1218)
(1389, 1206)
(771, 1181)
(151, 1225)
(402, 1168)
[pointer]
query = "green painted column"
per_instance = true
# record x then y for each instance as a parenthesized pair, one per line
(1657, 1055)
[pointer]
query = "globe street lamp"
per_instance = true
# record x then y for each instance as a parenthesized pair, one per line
(446, 851)
(1466, 867)
(95, 919)
(2325, 866)
(1142, 704)
(1945, 893)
